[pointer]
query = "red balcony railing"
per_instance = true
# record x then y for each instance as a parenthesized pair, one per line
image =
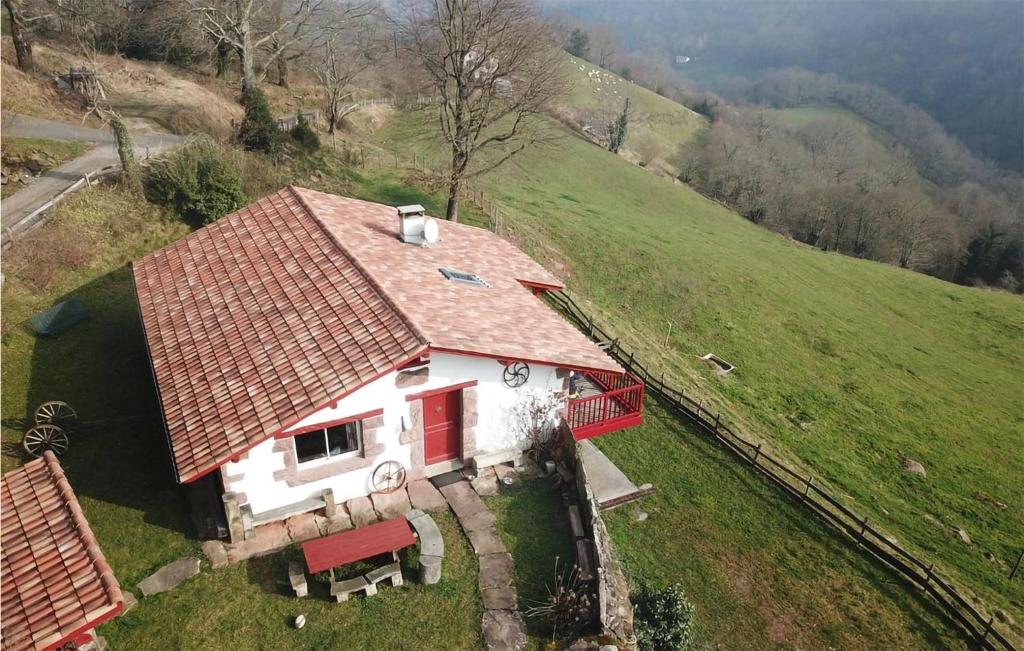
(616, 401)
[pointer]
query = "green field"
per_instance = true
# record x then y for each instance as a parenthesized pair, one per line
(845, 367)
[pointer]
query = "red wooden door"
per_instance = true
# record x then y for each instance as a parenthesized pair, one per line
(442, 426)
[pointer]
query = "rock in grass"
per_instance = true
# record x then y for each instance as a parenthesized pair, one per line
(300, 621)
(914, 467)
(963, 536)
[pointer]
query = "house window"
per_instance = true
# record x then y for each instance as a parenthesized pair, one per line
(330, 442)
(463, 277)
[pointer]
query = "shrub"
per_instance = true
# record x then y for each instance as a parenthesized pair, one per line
(258, 131)
(304, 135)
(199, 181)
(663, 619)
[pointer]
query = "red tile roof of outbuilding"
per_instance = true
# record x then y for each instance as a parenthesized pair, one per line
(54, 580)
(272, 312)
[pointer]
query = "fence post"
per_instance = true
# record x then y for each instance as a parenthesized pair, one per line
(630, 365)
(757, 453)
(807, 487)
(928, 572)
(988, 629)
(1016, 566)
(590, 325)
(718, 418)
(863, 527)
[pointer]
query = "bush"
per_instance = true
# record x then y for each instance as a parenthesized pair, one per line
(258, 131)
(304, 135)
(200, 181)
(663, 619)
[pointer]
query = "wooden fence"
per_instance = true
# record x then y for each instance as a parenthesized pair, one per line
(802, 489)
(37, 217)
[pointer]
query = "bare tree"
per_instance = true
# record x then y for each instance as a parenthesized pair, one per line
(251, 25)
(21, 33)
(496, 66)
(344, 58)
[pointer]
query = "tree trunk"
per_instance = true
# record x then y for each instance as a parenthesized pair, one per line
(246, 53)
(223, 52)
(22, 44)
(131, 174)
(452, 212)
(282, 72)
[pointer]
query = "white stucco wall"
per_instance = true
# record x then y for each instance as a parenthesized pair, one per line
(500, 425)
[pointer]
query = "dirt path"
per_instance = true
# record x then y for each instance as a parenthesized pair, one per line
(19, 212)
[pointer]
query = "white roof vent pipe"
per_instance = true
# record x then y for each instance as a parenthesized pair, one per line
(410, 223)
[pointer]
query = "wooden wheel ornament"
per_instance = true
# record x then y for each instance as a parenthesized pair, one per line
(56, 412)
(388, 477)
(43, 437)
(516, 374)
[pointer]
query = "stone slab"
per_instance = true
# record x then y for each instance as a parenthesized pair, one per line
(463, 499)
(503, 598)
(504, 630)
(606, 480)
(361, 511)
(391, 505)
(478, 520)
(486, 541)
(215, 552)
(340, 522)
(424, 496)
(431, 542)
(486, 483)
(302, 527)
(169, 576)
(130, 600)
(495, 571)
(266, 539)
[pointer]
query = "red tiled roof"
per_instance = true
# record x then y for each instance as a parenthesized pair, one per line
(256, 321)
(504, 320)
(55, 581)
(261, 318)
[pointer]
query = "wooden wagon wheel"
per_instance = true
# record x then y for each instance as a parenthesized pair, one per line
(43, 437)
(56, 412)
(516, 374)
(388, 477)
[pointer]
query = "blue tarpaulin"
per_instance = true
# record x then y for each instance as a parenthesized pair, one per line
(60, 317)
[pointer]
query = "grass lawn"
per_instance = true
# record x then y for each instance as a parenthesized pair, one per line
(846, 367)
(535, 528)
(58, 151)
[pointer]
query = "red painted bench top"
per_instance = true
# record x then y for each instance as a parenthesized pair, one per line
(358, 544)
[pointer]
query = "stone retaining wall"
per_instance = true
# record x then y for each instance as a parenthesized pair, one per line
(615, 610)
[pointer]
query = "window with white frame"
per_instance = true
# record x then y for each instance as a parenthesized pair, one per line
(330, 442)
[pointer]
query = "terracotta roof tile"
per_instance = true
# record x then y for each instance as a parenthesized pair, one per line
(273, 311)
(55, 580)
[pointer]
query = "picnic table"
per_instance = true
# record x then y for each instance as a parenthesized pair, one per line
(358, 544)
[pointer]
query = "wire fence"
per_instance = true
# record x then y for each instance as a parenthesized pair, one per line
(801, 488)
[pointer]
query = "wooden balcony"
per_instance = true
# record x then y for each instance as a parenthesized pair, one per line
(603, 403)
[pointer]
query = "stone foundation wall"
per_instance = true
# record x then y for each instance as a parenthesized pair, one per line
(615, 610)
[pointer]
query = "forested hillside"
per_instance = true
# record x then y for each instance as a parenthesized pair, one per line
(961, 62)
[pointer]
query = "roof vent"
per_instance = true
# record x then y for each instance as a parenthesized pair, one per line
(411, 222)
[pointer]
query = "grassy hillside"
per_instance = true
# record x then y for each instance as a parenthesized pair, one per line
(846, 366)
(657, 125)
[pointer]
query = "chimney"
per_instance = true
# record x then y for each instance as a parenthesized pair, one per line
(410, 223)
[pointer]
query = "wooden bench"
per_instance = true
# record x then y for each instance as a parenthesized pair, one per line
(341, 590)
(297, 578)
(392, 571)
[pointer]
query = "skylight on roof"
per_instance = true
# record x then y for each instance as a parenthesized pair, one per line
(463, 277)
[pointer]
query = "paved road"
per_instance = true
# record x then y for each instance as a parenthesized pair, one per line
(15, 208)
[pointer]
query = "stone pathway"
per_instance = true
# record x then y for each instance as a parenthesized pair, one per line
(503, 627)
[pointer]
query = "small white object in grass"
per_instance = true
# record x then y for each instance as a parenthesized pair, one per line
(300, 621)
(640, 515)
(506, 480)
